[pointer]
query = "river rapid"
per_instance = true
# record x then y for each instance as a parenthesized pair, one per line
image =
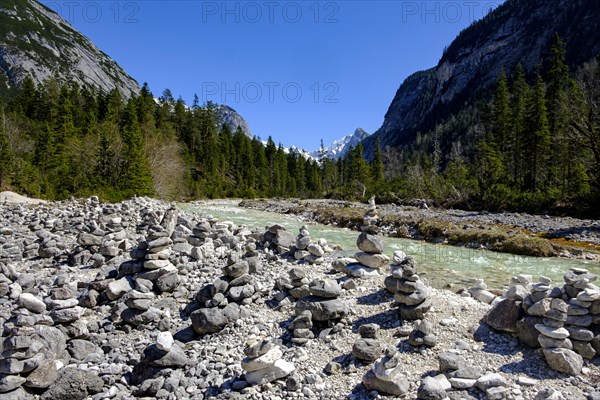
(443, 265)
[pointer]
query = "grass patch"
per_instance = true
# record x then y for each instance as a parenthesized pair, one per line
(527, 246)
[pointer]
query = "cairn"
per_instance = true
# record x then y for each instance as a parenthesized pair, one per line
(264, 363)
(564, 322)
(410, 291)
(367, 348)
(303, 240)
(370, 245)
(386, 375)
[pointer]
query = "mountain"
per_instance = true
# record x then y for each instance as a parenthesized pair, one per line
(518, 31)
(339, 148)
(37, 42)
(227, 115)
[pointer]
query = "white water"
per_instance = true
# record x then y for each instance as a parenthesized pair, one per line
(441, 264)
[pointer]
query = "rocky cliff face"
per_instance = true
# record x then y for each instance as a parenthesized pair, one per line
(519, 31)
(227, 115)
(36, 42)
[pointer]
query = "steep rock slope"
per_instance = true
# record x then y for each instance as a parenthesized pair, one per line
(519, 31)
(36, 42)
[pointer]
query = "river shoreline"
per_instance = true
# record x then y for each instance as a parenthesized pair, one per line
(520, 234)
(103, 297)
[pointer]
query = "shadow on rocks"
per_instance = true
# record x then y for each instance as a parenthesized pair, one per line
(497, 343)
(386, 320)
(378, 297)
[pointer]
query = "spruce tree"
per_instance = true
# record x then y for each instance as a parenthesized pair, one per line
(537, 141)
(6, 155)
(377, 173)
(518, 155)
(136, 178)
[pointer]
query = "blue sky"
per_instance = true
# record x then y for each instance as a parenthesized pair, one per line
(299, 71)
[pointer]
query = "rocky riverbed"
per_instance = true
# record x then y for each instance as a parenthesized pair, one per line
(517, 233)
(142, 300)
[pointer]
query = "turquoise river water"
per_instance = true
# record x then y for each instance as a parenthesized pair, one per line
(442, 264)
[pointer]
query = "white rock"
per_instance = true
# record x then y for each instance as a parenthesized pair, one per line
(462, 383)
(164, 341)
(280, 369)
(156, 264)
(32, 303)
(118, 288)
(262, 362)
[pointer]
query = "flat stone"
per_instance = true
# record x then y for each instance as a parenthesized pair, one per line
(263, 361)
(156, 264)
(462, 383)
(415, 312)
(256, 349)
(555, 333)
(10, 382)
(280, 369)
(589, 295)
(420, 294)
(548, 342)
(490, 380)
(66, 315)
(325, 288)
(375, 261)
(322, 309)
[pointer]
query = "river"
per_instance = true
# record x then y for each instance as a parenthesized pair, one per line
(443, 265)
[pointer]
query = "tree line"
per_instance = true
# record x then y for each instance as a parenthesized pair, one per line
(58, 141)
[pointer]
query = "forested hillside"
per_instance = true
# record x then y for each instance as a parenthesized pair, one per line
(60, 141)
(531, 144)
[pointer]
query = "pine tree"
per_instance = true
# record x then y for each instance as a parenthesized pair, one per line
(518, 155)
(6, 155)
(136, 178)
(556, 95)
(377, 173)
(501, 116)
(537, 141)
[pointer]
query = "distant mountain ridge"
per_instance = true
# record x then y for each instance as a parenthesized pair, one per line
(518, 31)
(37, 42)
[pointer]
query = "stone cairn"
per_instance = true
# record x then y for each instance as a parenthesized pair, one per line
(264, 363)
(306, 250)
(370, 245)
(367, 348)
(321, 305)
(411, 293)
(564, 322)
(386, 376)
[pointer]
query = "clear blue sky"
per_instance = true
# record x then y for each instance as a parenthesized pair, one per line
(299, 71)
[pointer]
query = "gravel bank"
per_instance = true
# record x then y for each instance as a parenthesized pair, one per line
(102, 301)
